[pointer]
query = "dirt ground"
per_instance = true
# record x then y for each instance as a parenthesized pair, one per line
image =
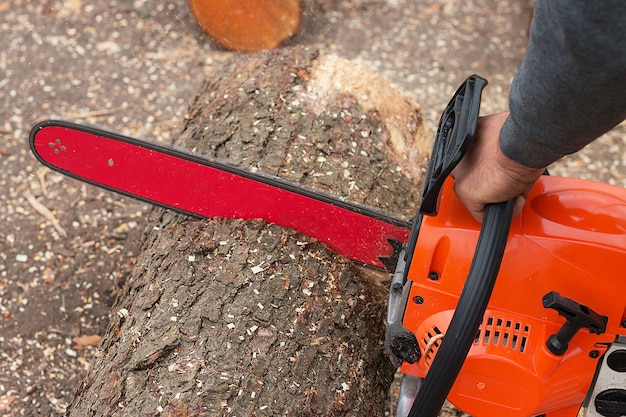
(133, 65)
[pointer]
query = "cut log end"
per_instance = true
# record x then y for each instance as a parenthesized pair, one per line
(248, 25)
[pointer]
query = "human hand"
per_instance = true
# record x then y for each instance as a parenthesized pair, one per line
(485, 175)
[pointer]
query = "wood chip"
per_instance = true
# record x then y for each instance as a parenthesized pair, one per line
(87, 340)
(45, 212)
(5, 402)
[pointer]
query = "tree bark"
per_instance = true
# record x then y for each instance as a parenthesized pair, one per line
(244, 318)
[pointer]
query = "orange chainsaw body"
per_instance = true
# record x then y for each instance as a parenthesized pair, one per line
(571, 239)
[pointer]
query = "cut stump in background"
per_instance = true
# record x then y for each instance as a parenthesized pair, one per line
(248, 25)
(243, 318)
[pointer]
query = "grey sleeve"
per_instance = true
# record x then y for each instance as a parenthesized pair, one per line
(571, 86)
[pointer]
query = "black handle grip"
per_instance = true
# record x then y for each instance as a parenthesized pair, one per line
(469, 311)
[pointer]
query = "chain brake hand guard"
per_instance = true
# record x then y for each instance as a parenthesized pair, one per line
(457, 127)
(456, 130)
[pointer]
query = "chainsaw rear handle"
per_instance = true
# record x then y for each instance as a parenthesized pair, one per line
(469, 311)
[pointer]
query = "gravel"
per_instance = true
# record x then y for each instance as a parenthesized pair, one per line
(133, 65)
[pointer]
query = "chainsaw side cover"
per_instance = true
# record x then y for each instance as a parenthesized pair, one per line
(569, 239)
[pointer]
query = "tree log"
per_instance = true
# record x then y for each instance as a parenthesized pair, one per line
(243, 318)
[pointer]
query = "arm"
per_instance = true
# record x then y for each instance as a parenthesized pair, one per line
(570, 89)
(571, 86)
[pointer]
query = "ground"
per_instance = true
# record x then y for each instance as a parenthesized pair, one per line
(132, 66)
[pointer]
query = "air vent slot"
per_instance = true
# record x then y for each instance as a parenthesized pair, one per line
(499, 332)
(506, 333)
(431, 341)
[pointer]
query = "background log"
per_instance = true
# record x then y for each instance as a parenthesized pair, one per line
(254, 25)
(230, 317)
(248, 25)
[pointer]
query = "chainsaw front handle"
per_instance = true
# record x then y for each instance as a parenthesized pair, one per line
(469, 311)
(456, 131)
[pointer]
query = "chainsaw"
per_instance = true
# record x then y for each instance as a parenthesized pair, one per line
(517, 317)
